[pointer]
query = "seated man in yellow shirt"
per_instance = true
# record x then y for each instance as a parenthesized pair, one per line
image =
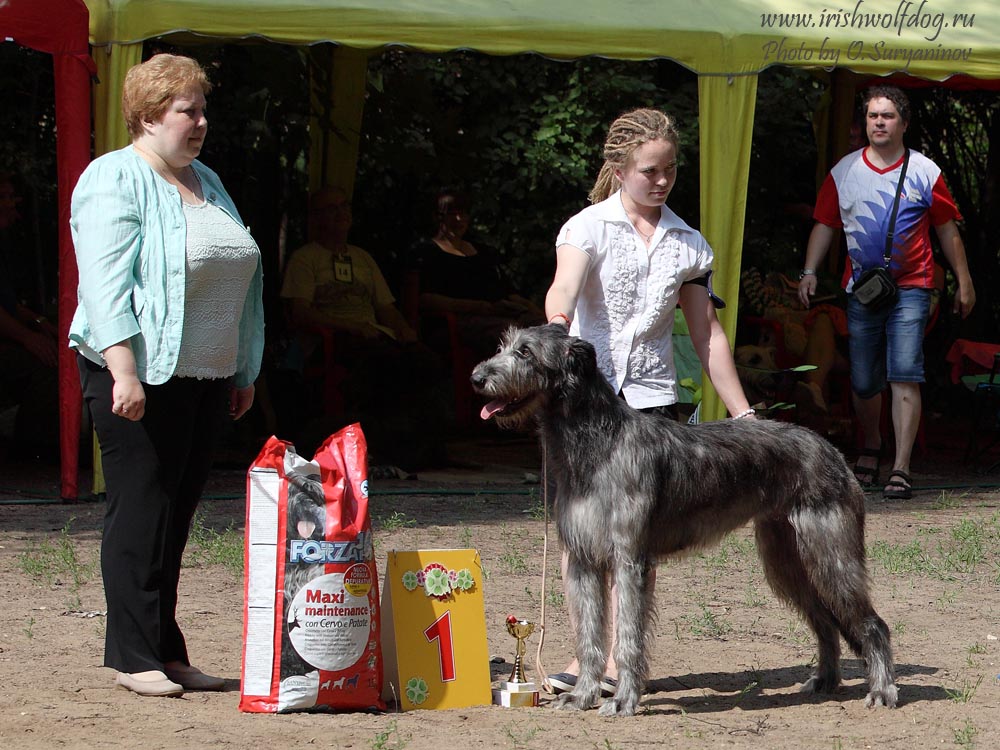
(396, 385)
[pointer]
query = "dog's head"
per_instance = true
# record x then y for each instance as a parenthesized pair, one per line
(306, 518)
(533, 368)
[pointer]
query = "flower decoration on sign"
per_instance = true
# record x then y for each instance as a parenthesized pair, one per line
(437, 584)
(410, 581)
(416, 690)
(438, 581)
(464, 580)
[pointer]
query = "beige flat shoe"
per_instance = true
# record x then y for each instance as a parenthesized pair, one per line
(152, 683)
(192, 678)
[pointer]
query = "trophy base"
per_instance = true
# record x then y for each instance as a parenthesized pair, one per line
(516, 695)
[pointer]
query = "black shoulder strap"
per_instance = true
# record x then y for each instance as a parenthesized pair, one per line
(895, 207)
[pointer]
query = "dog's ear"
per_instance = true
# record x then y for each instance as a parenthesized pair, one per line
(580, 363)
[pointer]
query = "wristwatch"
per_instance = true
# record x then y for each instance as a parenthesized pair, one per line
(807, 272)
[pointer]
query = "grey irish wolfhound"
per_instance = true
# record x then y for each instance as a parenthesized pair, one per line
(633, 487)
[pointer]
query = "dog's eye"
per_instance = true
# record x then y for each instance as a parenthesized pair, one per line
(523, 352)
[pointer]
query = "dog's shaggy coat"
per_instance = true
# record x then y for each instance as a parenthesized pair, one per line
(633, 487)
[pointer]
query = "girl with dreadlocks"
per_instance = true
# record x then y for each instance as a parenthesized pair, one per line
(623, 265)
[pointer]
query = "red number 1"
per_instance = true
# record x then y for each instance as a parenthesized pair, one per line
(441, 632)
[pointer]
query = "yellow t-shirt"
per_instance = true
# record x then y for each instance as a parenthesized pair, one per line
(347, 286)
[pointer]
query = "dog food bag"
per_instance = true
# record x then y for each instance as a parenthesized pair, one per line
(311, 630)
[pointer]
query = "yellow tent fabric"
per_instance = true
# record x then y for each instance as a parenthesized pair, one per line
(725, 37)
(727, 43)
(730, 37)
(725, 167)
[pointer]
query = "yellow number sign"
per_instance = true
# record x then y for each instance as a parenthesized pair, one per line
(434, 630)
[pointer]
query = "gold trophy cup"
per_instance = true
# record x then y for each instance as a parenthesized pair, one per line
(517, 691)
(520, 629)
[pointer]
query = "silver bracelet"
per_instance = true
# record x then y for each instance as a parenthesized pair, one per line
(749, 412)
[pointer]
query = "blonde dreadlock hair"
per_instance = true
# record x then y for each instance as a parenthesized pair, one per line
(626, 134)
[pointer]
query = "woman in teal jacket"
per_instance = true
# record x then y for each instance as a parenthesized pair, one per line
(169, 332)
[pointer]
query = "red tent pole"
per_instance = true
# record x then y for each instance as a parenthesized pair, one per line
(62, 28)
(73, 154)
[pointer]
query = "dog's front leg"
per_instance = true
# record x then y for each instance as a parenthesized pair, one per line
(634, 594)
(586, 586)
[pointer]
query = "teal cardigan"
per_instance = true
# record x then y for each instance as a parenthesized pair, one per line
(130, 238)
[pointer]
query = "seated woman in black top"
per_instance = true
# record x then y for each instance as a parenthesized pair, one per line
(460, 278)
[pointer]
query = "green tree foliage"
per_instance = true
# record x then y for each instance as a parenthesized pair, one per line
(782, 180)
(520, 135)
(28, 154)
(960, 131)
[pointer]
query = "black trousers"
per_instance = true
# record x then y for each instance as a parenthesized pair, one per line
(154, 471)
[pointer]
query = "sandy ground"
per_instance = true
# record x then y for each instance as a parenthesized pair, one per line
(727, 657)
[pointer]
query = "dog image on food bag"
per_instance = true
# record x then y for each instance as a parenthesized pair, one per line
(305, 520)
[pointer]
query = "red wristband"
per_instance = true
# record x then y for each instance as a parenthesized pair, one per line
(560, 315)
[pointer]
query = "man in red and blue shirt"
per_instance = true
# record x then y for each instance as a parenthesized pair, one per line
(886, 345)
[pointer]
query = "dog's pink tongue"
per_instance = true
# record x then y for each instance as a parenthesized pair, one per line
(491, 408)
(305, 529)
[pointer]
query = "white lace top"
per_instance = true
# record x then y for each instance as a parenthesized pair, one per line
(221, 260)
(626, 307)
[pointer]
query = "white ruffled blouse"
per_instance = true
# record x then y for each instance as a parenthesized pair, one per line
(626, 307)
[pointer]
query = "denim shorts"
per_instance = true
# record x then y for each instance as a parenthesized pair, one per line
(887, 345)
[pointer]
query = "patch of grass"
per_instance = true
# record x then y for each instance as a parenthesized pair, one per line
(904, 559)
(708, 623)
(536, 511)
(531, 595)
(899, 627)
(732, 549)
(390, 739)
(554, 595)
(754, 679)
(206, 546)
(512, 558)
(947, 500)
(29, 631)
(966, 736)
(946, 599)
(961, 553)
(974, 650)
(967, 547)
(395, 522)
(753, 597)
(56, 562)
(799, 633)
(520, 737)
(465, 538)
(689, 733)
(965, 692)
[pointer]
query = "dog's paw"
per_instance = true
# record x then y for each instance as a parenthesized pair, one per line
(826, 683)
(887, 697)
(573, 702)
(618, 706)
